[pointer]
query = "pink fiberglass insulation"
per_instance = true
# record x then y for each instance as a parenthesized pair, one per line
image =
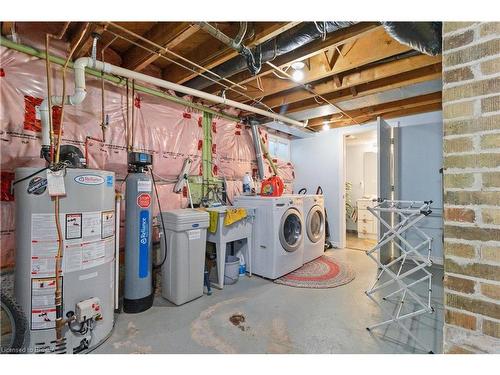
(169, 131)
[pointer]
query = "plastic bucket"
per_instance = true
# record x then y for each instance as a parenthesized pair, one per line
(231, 270)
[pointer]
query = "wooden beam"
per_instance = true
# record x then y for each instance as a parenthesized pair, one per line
(332, 40)
(369, 48)
(264, 31)
(166, 34)
(7, 28)
(405, 79)
(355, 78)
(85, 46)
(360, 114)
(387, 115)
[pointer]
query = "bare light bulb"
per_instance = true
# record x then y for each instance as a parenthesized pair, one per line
(298, 75)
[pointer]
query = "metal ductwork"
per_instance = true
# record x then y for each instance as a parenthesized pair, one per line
(424, 37)
(283, 43)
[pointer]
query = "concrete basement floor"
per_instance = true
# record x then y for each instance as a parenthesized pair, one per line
(279, 319)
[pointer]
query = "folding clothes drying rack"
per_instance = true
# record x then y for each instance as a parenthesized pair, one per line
(416, 257)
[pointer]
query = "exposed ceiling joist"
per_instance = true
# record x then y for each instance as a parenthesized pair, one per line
(263, 32)
(166, 34)
(379, 109)
(319, 46)
(424, 74)
(354, 78)
(389, 114)
(85, 45)
(361, 53)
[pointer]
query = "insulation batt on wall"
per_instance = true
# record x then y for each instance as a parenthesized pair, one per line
(169, 131)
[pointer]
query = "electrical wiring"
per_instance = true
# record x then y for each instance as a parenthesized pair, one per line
(194, 71)
(156, 266)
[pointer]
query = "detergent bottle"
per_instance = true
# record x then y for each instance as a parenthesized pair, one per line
(272, 187)
(247, 183)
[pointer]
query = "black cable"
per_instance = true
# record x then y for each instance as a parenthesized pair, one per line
(31, 175)
(162, 223)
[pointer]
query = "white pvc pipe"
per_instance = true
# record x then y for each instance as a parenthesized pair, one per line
(78, 97)
(80, 92)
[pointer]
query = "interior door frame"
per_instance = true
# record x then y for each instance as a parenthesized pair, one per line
(343, 179)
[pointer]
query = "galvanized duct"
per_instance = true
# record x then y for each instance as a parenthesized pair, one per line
(424, 37)
(269, 50)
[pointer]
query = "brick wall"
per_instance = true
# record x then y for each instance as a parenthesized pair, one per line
(471, 113)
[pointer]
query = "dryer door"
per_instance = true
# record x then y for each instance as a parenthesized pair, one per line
(315, 224)
(291, 229)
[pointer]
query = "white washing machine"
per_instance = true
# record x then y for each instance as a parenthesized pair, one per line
(314, 218)
(314, 223)
(278, 234)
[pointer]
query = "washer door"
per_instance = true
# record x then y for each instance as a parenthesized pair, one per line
(291, 230)
(315, 224)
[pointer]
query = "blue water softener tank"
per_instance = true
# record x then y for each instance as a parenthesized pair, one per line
(138, 293)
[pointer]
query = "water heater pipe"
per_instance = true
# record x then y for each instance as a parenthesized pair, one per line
(117, 250)
(80, 93)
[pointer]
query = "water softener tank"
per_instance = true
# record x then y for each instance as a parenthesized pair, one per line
(138, 294)
(87, 222)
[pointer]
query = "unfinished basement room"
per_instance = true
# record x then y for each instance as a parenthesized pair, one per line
(232, 184)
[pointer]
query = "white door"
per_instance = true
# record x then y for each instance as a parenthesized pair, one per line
(387, 178)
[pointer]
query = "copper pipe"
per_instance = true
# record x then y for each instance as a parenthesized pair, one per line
(49, 94)
(161, 48)
(60, 322)
(192, 70)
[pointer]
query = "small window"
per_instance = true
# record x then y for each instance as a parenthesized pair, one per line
(279, 148)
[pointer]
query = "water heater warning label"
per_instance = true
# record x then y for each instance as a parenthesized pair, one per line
(73, 226)
(88, 241)
(43, 306)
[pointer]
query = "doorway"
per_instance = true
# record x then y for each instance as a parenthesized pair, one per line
(360, 189)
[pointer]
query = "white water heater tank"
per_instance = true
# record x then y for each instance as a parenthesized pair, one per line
(87, 222)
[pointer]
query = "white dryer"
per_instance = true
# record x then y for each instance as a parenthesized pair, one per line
(314, 217)
(278, 234)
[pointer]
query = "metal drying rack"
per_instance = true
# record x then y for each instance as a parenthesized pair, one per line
(416, 257)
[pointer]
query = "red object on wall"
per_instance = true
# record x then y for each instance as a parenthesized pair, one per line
(31, 122)
(200, 144)
(184, 191)
(200, 122)
(137, 102)
(2, 72)
(214, 148)
(186, 115)
(214, 127)
(6, 183)
(200, 172)
(272, 187)
(215, 170)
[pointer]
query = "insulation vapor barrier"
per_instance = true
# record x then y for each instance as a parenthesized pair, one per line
(169, 131)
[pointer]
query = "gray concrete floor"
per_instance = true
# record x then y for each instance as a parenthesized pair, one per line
(278, 319)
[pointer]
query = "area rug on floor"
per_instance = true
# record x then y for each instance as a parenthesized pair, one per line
(323, 272)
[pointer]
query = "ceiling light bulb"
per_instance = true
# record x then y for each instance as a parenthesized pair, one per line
(298, 65)
(326, 127)
(298, 75)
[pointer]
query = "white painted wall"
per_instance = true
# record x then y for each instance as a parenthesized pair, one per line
(318, 160)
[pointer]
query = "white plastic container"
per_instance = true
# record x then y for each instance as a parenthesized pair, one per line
(182, 272)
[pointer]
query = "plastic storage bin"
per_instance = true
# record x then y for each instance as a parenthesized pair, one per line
(182, 272)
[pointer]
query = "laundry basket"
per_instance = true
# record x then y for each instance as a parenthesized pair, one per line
(231, 270)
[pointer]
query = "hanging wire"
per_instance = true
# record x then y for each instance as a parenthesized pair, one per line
(192, 70)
